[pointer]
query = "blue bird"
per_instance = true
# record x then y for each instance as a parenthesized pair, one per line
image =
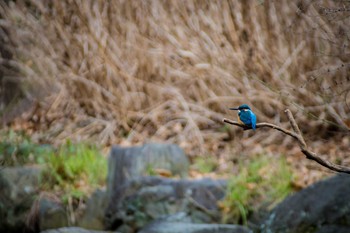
(246, 116)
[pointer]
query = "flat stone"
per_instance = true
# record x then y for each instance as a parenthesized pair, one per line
(176, 227)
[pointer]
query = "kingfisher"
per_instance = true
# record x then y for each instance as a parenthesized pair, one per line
(246, 116)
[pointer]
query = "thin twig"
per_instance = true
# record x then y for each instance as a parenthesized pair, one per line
(295, 127)
(299, 137)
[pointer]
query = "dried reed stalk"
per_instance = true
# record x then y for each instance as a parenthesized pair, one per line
(167, 70)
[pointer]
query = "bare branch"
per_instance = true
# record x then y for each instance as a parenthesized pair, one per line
(262, 125)
(299, 137)
(295, 127)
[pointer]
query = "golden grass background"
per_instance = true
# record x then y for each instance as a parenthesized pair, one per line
(128, 72)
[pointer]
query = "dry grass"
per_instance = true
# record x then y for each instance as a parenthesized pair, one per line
(132, 71)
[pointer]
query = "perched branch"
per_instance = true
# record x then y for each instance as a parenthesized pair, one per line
(262, 125)
(299, 137)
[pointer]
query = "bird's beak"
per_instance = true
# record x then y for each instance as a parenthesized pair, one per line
(233, 108)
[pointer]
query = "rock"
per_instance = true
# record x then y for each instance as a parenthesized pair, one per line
(135, 162)
(18, 187)
(132, 162)
(47, 212)
(72, 230)
(170, 227)
(181, 222)
(334, 229)
(51, 213)
(93, 216)
(148, 198)
(323, 205)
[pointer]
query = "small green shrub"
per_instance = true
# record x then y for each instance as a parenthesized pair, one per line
(262, 182)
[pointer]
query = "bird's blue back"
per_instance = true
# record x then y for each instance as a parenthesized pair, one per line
(248, 118)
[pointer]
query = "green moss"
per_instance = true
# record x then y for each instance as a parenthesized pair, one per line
(261, 182)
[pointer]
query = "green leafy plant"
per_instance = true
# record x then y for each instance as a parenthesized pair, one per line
(260, 183)
(77, 168)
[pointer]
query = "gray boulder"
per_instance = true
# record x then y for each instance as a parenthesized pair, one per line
(18, 186)
(148, 198)
(51, 213)
(169, 227)
(46, 212)
(323, 205)
(93, 216)
(132, 162)
(181, 222)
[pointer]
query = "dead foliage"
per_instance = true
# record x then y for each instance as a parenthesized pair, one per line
(131, 71)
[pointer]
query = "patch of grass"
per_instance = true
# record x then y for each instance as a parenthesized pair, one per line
(76, 168)
(72, 169)
(205, 164)
(262, 182)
